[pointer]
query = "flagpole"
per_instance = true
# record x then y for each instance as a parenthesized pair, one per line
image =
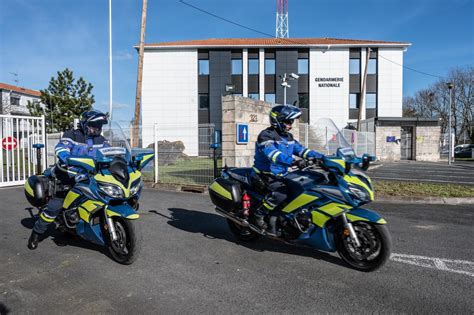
(110, 59)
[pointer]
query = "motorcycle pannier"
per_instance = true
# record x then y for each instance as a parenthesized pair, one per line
(37, 190)
(225, 194)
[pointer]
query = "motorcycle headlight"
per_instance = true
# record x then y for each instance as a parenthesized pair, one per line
(136, 187)
(112, 190)
(359, 193)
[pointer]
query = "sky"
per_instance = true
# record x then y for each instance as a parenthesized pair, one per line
(40, 37)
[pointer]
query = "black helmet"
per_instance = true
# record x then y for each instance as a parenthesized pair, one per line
(92, 121)
(282, 115)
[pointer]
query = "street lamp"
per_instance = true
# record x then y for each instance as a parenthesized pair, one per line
(450, 86)
(284, 83)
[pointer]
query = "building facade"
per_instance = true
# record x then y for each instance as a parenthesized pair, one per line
(183, 82)
(14, 99)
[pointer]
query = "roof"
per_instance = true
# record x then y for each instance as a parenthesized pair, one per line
(4, 86)
(275, 42)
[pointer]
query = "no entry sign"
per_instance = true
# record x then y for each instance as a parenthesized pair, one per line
(9, 143)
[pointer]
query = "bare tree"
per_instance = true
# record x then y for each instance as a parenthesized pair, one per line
(433, 102)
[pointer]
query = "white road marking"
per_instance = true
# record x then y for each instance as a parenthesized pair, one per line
(457, 266)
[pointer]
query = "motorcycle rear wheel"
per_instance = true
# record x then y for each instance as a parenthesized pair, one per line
(126, 248)
(375, 249)
(242, 233)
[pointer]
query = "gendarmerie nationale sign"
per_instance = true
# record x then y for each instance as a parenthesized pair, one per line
(329, 82)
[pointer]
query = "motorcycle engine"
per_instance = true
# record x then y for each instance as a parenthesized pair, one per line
(71, 217)
(302, 220)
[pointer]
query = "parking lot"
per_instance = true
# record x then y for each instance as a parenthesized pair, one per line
(191, 264)
(461, 172)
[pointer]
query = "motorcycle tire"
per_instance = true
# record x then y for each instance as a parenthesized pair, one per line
(375, 249)
(126, 248)
(242, 233)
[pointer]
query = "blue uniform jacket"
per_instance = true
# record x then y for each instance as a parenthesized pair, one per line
(274, 152)
(75, 143)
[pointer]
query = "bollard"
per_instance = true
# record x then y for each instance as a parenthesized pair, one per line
(38, 147)
(214, 146)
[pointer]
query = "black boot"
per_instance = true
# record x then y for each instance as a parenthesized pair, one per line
(33, 240)
(259, 216)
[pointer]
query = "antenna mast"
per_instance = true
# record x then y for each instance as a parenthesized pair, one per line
(282, 19)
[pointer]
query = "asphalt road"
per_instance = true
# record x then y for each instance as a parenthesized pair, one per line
(191, 264)
(439, 172)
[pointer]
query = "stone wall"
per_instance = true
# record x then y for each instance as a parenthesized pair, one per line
(427, 143)
(387, 151)
(237, 109)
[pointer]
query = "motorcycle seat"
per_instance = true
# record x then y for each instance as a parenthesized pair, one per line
(242, 174)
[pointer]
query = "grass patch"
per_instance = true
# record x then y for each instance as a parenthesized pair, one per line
(418, 189)
(194, 170)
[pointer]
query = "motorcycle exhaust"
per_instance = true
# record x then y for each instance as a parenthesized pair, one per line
(240, 222)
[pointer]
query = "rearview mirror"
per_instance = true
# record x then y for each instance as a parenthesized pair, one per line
(142, 159)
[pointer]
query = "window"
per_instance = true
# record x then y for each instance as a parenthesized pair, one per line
(354, 66)
(254, 96)
(303, 100)
(253, 66)
(236, 66)
(14, 100)
(372, 67)
(354, 101)
(203, 67)
(302, 66)
(370, 101)
(204, 101)
(270, 98)
(269, 66)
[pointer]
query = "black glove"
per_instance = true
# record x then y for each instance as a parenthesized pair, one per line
(299, 163)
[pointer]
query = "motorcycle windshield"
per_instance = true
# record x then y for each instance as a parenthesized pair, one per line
(119, 145)
(326, 138)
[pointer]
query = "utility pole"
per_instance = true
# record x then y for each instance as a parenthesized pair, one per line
(364, 87)
(450, 151)
(136, 121)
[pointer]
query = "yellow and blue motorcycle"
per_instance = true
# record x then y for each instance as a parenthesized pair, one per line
(323, 209)
(101, 203)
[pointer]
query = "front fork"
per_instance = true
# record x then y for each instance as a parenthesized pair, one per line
(351, 230)
(110, 226)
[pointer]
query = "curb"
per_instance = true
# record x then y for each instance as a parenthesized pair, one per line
(427, 200)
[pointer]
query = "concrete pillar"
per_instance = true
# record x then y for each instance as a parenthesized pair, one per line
(261, 71)
(245, 72)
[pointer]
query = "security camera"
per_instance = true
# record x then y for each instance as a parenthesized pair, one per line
(294, 76)
(285, 84)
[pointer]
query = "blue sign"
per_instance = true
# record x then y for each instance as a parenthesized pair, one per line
(242, 133)
(391, 139)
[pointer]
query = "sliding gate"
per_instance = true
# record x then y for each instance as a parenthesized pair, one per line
(17, 156)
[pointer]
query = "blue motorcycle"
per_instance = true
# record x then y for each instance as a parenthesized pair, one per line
(323, 209)
(101, 203)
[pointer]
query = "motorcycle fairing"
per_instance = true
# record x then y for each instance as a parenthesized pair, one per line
(122, 210)
(360, 214)
(92, 233)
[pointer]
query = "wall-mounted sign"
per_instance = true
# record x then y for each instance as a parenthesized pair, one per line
(242, 133)
(329, 82)
(391, 139)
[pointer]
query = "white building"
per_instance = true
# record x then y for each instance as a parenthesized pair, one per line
(14, 99)
(183, 81)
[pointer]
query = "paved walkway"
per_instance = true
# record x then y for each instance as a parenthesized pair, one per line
(439, 172)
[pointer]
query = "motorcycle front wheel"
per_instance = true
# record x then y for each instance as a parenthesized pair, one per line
(126, 248)
(374, 250)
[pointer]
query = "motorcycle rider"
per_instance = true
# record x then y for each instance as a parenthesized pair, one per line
(83, 141)
(274, 152)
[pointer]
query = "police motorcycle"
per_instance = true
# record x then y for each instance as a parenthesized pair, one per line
(101, 203)
(323, 209)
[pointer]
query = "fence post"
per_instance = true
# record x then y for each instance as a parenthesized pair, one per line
(306, 135)
(155, 145)
(43, 133)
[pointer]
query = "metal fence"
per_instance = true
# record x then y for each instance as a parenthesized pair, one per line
(328, 141)
(186, 161)
(17, 156)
